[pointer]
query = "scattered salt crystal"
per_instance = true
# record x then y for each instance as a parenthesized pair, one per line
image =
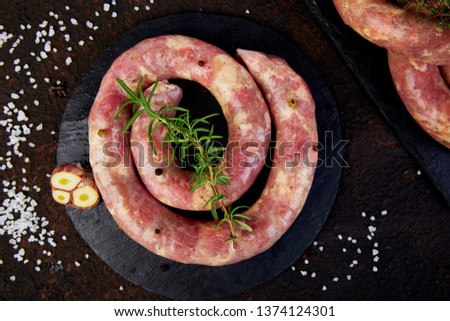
(247, 11)
(324, 288)
(89, 24)
(15, 96)
(375, 252)
(419, 173)
(335, 279)
(375, 269)
(68, 61)
(349, 238)
(303, 273)
(106, 7)
(349, 277)
(37, 268)
(86, 256)
(320, 248)
(51, 31)
(77, 264)
(120, 288)
(344, 250)
(1, 262)
(375, 244)
(315, 243)
(114, 14)
(293, 268)
(39, 127)
(48, 46)
(354, 241)
(136, 8)
(339, 236)
(74, 21)
(81, 42)
(384, 212)
(12, 278)
(21, 116)
(355, 262)
(306, 261)
(372, 218)
(147, 7)
(64, 238)
(313, 275)
(376, 259)
(372, 229)
(369, 237)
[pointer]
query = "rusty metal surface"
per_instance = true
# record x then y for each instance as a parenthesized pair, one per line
(387, 234)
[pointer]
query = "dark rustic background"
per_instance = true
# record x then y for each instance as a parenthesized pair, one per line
(387, 234)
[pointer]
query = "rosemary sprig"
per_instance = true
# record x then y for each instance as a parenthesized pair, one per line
(438, 10)
(187, 134)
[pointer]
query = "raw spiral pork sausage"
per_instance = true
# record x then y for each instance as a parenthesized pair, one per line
(425, 95)
(397, 29)
(155, 226)
(416, 47)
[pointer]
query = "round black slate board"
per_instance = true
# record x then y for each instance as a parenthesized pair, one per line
(195, 282)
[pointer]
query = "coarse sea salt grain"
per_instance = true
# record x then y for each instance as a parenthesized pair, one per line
(303, 273)
(293, 268)
(324, 288)
(384, 212)
(73, 21)
(106, 7)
